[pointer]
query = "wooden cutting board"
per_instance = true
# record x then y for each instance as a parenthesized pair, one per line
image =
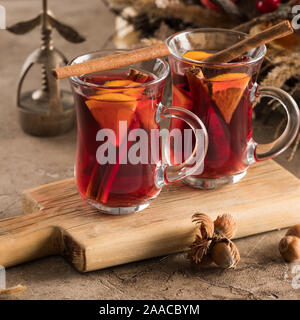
(57, 221)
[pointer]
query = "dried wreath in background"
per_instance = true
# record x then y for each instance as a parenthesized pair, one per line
(150, 21)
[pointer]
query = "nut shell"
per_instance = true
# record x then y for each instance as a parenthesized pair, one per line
(294, 231)
(198, 249)
(225, 254)
(289, 248)
(225, 226)
(206, 225)
(206, 261)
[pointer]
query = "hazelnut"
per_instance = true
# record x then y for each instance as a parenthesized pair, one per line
(294, 231)
(225, 226)
(289, 248)
(225, 254)
(206, 225)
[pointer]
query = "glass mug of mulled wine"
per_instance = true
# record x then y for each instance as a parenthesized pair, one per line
(222, 96)
(119, 161)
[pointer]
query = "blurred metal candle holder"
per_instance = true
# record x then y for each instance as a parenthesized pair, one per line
(48, 111)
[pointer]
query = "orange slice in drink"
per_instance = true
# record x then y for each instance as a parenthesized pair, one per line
(146, 111)
(136, 92)
(118, 97)
(120, 83)
(197, 55)
(227, 91)
(109, 109)
(180, 99)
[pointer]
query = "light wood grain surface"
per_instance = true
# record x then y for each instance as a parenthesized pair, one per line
(57, 221)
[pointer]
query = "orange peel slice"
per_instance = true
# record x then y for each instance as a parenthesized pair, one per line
(116, 96)
(227, 91)
(197, 55)
(120, 83)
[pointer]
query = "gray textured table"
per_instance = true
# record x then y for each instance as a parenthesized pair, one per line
(26, 162)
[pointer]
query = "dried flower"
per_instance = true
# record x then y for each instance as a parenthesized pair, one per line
(286, 66)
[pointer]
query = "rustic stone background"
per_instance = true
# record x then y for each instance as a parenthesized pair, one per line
(26, 162)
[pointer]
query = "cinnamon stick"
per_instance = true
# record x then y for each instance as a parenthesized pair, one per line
(280, 30)
(161, 50)
(113, 61)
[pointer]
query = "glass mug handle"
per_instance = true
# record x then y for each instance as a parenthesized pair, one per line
(176, 173)
(260, 152)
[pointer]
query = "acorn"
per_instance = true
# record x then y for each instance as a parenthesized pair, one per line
(289, 248)
(206, 225)
(225, 226)
(225, 254)
(294, 231)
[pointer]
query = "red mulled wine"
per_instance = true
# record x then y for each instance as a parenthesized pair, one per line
(120, 97)
(222, 101)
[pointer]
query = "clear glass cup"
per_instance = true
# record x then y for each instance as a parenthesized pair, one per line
(119, 161)
(222, 97)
